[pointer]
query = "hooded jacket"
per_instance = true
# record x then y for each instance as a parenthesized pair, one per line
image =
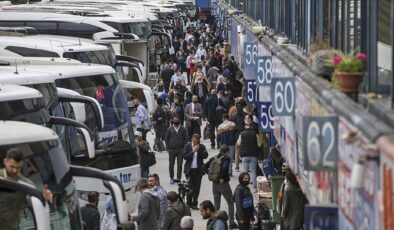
(293, 207)
(148, 211)
(227, 132)
(219, 222)
(174, 214)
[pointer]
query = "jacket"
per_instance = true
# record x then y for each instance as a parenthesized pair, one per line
(91, 216)
(195, 89)
(11, 204)
(174, 214)
(210, 108)
(218, 223)
(148, 211)
(227, 131)
(188, 156)
(176, 140)
(293, 207)
(249, 146)
(189, 114)
(241, 192)
(142, 118)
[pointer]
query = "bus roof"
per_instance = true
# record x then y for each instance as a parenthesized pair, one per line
(21, 76)
(23, 132)
(50, 43)
(17, 92)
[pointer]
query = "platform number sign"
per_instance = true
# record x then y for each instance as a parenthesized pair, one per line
(264, 70)
(283, 96)
(266, 119)
(320, 142)
(250, 56)
(251, 92)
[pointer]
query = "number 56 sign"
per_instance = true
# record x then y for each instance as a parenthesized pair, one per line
(320, 142)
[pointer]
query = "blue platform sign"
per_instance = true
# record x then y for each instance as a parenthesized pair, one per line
(250, 55)
(283, 96)
(265, 117)
(263, 70)
(320, 217)
(251, 92)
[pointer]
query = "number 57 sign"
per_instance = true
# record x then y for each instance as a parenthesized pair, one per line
(320, 142)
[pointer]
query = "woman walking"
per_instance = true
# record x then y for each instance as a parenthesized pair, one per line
(243, 199)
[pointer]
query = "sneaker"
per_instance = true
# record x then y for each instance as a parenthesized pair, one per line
(233, 226)
(194, 207)
(237, 169)
(172, 181)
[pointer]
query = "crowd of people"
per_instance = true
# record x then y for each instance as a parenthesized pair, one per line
(202, 84)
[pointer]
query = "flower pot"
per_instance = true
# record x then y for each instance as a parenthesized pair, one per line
(349, 81)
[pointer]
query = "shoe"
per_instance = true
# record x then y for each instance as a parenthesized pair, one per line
(237, 169)
(212, 147)
(233, 226)
(172, 181)
(254, 190)
(194, 207)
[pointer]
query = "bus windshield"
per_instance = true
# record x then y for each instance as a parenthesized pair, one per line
(106, 89)
(45, 164)
(142, 29)
(103, 57)
(29, 110)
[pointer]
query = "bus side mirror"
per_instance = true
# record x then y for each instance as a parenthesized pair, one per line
(38, 203)
(86, 143)
(86, 179)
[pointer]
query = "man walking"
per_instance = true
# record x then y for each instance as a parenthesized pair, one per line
(227, 134)
(160, 125)
(218, 173)
(154, 185)
(90, 215)
(210, 113)
(217, 220)
(193, 115)
(148, 207)
(142, 118)
(166, 74)
(176, 139)
(249, 148)
(194, 155)
(175, 212)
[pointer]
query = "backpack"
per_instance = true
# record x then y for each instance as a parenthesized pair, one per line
(160, 116)
(214, 169)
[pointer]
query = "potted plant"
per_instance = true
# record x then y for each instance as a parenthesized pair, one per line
(349, 70)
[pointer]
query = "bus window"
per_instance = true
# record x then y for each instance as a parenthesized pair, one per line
(81, 30)
(44, 27)
(29, 52)
(11, 23)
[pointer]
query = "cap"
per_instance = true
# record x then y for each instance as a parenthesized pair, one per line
(138, 133)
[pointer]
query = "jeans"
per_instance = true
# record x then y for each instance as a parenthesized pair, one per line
(144, 172)
(249, 163)
(231, 155)
(224, 189)
(178, 155)
(160, 133)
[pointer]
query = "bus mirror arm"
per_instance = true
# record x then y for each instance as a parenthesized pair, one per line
(86, 100)
(70, 122)
(129, 58)
(111, 183)
(40, 207)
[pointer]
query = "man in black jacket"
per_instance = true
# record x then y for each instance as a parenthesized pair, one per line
(194, 155)
(222, 186)
(210, 113)
(176, 139)
(166, 75)
(90, 214)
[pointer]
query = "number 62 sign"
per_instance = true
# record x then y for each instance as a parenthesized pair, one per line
(320, 142)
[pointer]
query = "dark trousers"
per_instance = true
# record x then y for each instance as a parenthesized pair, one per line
(245, 225)
(195, 177)
(144, 172)
(212, 129)
(166, 86)
(178, 155)
(160, 132)
(224, 189)
(188, 76)
(194, 128)
(143, 132)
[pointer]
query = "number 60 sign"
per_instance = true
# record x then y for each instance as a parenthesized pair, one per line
(320, 142)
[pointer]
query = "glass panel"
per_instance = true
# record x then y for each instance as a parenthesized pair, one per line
(384, 42)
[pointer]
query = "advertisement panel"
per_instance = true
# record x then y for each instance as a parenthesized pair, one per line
(320, 217)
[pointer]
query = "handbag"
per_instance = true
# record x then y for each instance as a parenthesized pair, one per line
(206, 132)
(150, 159)
(247, 202)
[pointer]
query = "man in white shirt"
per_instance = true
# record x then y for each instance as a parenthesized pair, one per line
(194, 155)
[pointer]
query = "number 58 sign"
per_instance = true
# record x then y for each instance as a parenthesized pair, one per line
(320, 142)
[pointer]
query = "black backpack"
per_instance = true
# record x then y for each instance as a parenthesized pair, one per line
(160, 116)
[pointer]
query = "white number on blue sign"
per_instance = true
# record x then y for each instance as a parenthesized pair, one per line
(266, 118)
(264, 70)
(283, 96)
